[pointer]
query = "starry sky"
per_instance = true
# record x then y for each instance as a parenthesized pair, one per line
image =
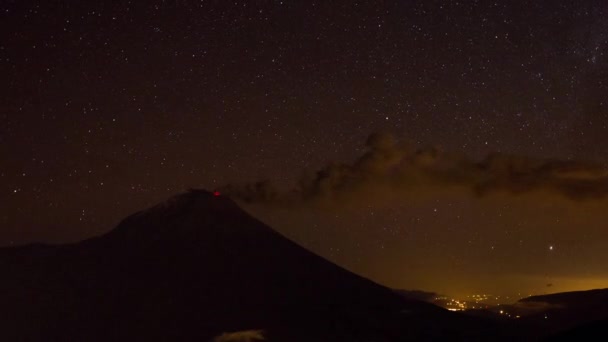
(108, 107)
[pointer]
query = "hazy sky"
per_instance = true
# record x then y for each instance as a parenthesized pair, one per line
(109, 107)
(439, 221)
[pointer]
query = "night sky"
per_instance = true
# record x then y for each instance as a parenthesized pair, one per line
(108, 107)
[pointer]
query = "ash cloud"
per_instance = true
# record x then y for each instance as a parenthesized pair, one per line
(392, 169)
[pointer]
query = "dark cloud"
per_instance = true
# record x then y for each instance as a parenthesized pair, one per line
(395, 170)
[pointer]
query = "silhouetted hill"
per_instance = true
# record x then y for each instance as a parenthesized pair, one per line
(197, 266)
(572, 299)
(561, 314)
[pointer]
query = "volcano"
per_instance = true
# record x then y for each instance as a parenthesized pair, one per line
(194, 268)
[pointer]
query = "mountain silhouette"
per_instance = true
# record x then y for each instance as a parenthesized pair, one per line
(569, 316)
(193, 268)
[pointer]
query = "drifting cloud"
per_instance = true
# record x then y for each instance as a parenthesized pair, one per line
(396, 170)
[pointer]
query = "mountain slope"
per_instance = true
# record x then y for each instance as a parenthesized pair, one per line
(193, 268)
(567, 313)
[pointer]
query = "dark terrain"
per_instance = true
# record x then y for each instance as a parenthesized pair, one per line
(567, 316)
(197, 266)
(570, 316)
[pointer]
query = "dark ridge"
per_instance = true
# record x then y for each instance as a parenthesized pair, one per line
(571, 298)
(568, 314)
